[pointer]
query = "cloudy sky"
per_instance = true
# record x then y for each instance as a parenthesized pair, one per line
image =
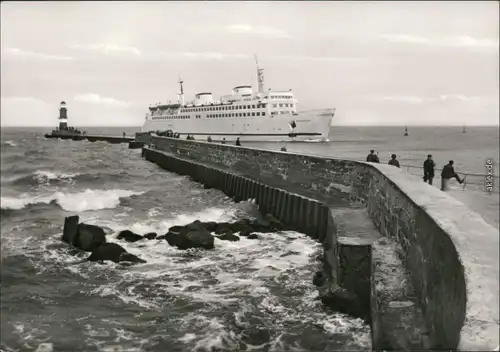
(379, 63)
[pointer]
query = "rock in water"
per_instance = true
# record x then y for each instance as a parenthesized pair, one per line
(319, 278)
(70, 229)
(127, 257)
(211, 226)
(274, 224)
(89, 237)
(129, 236)
(268, 224)
(197, 236)
(107, 251)
(193, 235)
(176, 229)
(150, 235)
(229, 237)
(243, 227)
(222, 228)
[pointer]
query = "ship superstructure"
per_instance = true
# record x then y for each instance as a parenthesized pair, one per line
(261, 116)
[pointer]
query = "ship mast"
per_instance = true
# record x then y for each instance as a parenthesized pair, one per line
(260, 76)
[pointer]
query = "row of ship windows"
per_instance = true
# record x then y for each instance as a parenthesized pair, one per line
(171, 117)
(283, 105)
(238, 114)
(281, 97)
(211, 116)
(220, 108)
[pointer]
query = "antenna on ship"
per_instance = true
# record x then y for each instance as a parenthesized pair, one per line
(260, 76)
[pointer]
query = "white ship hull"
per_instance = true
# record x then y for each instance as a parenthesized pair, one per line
(310, 126)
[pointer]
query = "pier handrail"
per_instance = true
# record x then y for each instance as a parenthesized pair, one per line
(409, 168)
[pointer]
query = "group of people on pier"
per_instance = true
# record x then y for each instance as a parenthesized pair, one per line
(447, 173)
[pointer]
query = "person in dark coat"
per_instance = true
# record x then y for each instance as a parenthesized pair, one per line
(372, 157)
(223, 141)
(209, 139)
(394, 161)
(447, 174)
(429, 166)
(238, 143)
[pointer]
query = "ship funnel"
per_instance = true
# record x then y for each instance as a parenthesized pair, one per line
(181, 95)
(260, 76)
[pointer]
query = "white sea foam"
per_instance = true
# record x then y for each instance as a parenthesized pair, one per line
(10, 143)
(237, 279)
(43, 175)
(223, 278)
(77, 202)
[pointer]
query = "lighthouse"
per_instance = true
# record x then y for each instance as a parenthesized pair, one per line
(63, 116)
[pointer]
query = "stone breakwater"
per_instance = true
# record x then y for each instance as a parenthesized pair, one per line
(434, 262)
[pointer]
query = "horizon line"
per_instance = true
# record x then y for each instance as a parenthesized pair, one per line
(341, 125)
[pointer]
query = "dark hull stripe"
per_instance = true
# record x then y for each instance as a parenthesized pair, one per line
(251, 134)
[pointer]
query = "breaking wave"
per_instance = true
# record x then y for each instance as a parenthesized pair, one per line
(9, 144)
(77, 202)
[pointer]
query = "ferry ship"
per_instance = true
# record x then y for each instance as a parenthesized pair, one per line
(267, 115)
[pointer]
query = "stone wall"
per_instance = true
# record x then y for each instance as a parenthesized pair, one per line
(455, 275)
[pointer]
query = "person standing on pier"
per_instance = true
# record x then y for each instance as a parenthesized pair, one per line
(223, 141)
(394, 161)
(372, 157)
(238, 143)
(209, 139)
(429, 166)
(447, 174)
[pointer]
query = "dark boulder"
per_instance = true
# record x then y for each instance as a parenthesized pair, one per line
(267, 224)
(107, 251)
(171, 237)
(245, 233)
(274, 224)
(241, 225)
(70, 229)
(253, 236)
(128, 257)
(193, 235)
(150, 235)
(319, 278)
(176, 229)
(113, 252)
(129, 236)
(211, 226)
(222, 228)
(89, 237)
(228, 237)
(225, 231)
